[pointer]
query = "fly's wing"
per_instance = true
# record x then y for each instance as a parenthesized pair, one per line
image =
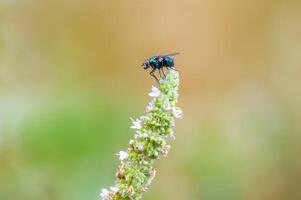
(172, 54)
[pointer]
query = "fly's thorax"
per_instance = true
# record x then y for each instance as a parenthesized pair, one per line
(154, 62)
(153, 59)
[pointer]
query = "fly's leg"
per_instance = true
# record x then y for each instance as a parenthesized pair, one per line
(172, 68)
(160, 73)
(153, 75)
(163, 72)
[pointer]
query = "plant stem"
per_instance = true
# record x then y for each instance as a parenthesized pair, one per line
(135, 171)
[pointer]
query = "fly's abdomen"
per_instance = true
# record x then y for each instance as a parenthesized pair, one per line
(169, 61)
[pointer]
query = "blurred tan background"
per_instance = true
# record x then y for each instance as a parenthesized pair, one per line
(70, 79)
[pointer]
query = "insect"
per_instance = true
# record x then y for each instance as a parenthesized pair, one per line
(158, 62)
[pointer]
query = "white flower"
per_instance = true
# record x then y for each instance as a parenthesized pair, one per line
(172, 134)
(104, 195)
(143, 118)
(150, 106)
(131, 191)
(165, 150)
(140, 146)
(167, 105)
(153, 173)
(177, 112)
(136, 124)
(114, 189)
(155, 92)
(172, 122)
(140, 135)
(131, 142)
(122, 155)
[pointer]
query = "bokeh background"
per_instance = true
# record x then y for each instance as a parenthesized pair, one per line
(70, 79)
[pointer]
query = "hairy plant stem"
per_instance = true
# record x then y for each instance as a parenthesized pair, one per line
(136, 171)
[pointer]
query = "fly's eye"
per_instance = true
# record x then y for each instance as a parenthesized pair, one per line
(144, 64)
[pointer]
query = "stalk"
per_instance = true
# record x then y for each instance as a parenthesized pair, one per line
(150, 142)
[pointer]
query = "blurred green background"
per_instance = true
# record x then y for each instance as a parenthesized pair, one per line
(70, 79)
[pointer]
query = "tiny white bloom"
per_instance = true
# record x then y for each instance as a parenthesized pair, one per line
(131, 142)
(122, 155)
(140, 146)
(167, 105)
(131, 191)
(172, 134)
(153, 173)
(155, 92)
(104, 195)
(143, 118)
(172, 122)
(177, 112)
(136, 124)
(114, 189)
(165, 150)
(150, 106)
(140, 135)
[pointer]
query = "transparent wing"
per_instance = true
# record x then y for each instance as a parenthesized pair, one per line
(172, 54)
